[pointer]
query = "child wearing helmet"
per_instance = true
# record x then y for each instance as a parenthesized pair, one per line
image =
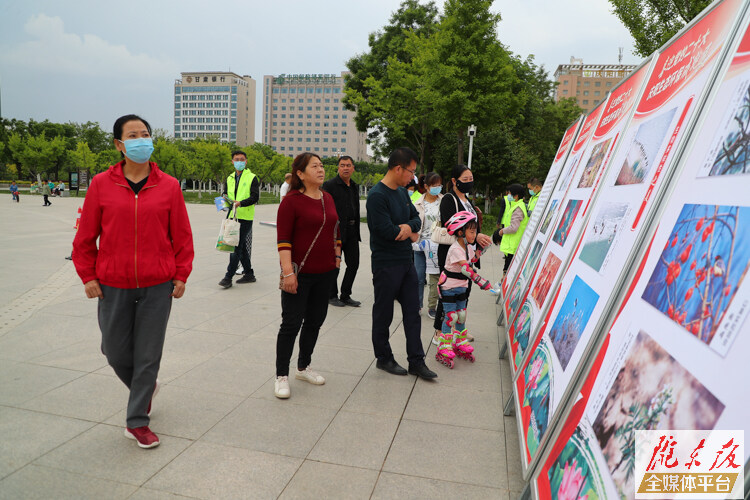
(453, 284)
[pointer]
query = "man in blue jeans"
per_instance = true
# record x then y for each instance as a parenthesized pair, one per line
(394, 224)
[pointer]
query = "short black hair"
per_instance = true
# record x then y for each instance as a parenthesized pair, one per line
(239, 152)
(431, 177)
(517, 190)
(345, 157)
(402, 157)
(120, 122)
(534, 181)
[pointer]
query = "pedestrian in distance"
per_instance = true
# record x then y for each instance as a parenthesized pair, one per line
(456, 200)
(309, 245)
(243, 193)
(453, 285)
(428, 208)
(143, 259)
(535, 189)
(46, 193)
(14, 192)
(394, 224)
(345, 193)
(285, 186)
(515, 221)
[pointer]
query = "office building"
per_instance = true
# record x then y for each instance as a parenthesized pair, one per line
(304, 113)
(588, 83)
(215, 104)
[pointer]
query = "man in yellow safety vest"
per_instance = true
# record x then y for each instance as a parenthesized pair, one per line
(515, 220)
(535, 187)
(243, 192)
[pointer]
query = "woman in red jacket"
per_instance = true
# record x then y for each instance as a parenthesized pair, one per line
(144, 257)
(309, 239)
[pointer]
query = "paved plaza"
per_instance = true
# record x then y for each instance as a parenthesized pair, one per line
(364, 434)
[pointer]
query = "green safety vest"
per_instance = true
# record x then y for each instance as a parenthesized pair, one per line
(532, 202)
(415, 196)
(243, 192)
(505, 221)
(509, 243)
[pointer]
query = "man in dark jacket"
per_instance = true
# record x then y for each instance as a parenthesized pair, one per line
(345, 193)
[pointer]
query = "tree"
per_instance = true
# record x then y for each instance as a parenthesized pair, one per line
(83, 158)
(653, 22)
(37, 155)
(170, 159)
(369, 74)
(469, 76)
(212, 161)
(92, 134)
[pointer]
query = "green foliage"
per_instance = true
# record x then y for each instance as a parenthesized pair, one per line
(37, 155)
(653, 22)
(83, 158)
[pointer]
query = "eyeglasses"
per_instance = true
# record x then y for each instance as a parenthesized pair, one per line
(412, 172)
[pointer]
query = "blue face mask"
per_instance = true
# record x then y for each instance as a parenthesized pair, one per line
(434, 191)
(531, 192)
(510, 197)
(239, 165)
(139, 150)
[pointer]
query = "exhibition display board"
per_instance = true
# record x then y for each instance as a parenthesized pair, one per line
(644, 329)
(555, 237)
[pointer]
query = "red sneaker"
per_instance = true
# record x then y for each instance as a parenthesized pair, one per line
(156, 391)
(143, 436)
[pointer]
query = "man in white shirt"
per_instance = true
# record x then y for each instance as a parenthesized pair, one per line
(285, 186)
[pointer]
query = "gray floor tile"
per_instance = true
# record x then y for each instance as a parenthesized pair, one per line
(344, 360)
(332, 395)
(91, 397)
(150, 494)
(226, 376)
(381, 395)
(455, 406)
(186, 413)
(356, 439)
(409, 487)
(212, 471)
(37, 482)
(329, 481)
(85, 356)
(104, 452)
(481, 453)
(209, 343)
(279, 426)
(483, 377)
(27, 435)
(23, 381)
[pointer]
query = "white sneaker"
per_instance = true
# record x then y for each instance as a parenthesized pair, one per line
(281, 387)
(310, 376)
(435, 339)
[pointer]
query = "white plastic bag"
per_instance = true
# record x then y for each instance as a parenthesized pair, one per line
(230, 229)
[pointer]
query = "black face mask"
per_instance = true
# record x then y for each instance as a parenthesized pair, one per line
(464, 187)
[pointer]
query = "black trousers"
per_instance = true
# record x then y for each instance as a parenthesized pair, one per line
(508, 261)
(308, 309)
(396, 283)
(350, 252)
(242, 251)
(46, 200)
(133, 322)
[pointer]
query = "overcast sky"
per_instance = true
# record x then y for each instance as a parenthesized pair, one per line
(90, 60)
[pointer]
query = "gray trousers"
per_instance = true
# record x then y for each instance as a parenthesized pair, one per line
(133, 322)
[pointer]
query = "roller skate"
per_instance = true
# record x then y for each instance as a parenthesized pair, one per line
(445, 352)
(461, 346)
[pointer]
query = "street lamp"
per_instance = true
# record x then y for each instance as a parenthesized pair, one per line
(472, 133)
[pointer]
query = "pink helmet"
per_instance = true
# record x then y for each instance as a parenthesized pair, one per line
(459, 220)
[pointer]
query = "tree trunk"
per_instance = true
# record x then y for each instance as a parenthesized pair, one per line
(487, 199)
(460, 147)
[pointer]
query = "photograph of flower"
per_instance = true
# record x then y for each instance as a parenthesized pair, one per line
(702, 267)
(652, 391)
(594, 164)
(548, 216)
(644, 148)
(572, 319)
(546, 276)
(574, 475)
(522, 329)
(533, 259)
(731, 155)
(566, 222)
(536, 396)
(602, 233)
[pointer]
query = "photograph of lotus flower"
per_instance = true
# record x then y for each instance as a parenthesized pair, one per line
(548, 216)
(594, 164)
(566, 222)
(533, 259)
(546, 276)
(522, 329)
(701, 268)
(642, 153)
(574, 475)
(572, 319)
(733, 156)
(602, 233)
(652, 391)
(536, 395)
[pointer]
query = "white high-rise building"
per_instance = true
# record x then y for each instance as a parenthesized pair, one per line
(304, 113)
(215, 103)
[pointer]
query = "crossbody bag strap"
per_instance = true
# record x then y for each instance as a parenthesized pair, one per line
(316, 236)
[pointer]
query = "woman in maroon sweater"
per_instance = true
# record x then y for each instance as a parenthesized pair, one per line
(309, 239)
